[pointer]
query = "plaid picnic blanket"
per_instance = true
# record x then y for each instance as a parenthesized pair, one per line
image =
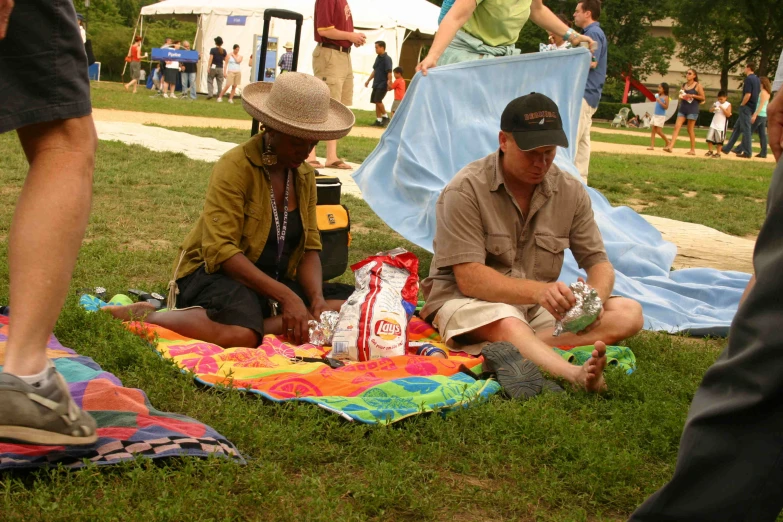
(128, 426)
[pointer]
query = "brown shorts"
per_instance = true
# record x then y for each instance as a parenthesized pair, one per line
(334, 67)
(462, 316)
(233, 78)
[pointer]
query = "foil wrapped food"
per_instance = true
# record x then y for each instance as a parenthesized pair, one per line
(322, 331)
(584, 313)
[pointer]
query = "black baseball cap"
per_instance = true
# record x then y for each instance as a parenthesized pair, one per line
(534, 121)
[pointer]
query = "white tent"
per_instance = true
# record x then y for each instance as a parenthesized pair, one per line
(379, 20)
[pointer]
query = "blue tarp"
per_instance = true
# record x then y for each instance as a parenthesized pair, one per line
(452, 117)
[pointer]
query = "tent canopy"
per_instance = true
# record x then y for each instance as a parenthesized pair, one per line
(391, 22)
(414, 15)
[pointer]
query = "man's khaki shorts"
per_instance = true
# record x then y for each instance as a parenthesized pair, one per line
(462, 316)
(334, 67)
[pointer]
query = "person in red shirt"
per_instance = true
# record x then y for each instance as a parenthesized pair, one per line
(134, 54)
(332, 62)
(399, 89)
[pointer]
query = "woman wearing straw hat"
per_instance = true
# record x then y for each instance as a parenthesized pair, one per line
(250, 265)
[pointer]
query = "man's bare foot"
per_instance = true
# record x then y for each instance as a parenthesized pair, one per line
(592, 376)
(130, 312)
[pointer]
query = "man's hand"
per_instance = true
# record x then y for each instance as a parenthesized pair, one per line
(775, 125)
(753, 119)
(295, 317)
(556, 298)
(427, 63)
(391, 85)
(357, 39)
(6, 6)
(595, 324)
(367, 83)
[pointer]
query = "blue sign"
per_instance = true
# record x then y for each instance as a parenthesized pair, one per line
(174, 55)
(236, 20)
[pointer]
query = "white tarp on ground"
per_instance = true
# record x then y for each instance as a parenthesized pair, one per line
(387, 21)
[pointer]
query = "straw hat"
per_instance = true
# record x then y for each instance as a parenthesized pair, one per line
(288, 45)
(299, 105)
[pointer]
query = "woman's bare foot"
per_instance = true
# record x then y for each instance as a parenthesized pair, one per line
(130, 312)
(592, 375)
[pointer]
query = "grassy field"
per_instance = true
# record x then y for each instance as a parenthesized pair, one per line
(715, 193)
(110, 95)
(569, 457)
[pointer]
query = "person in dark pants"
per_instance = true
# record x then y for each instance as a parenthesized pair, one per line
(750, 99)
(730, 464)
(381, 78)
(49, 107)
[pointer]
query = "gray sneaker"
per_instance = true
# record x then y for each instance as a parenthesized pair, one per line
(44, 415)
(519, 377)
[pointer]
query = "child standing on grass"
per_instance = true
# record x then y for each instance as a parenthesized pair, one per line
(399, 89)
(720, 121)
(659, 117)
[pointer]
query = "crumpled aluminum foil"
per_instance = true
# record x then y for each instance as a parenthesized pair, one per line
(583, 313)
(321, 332)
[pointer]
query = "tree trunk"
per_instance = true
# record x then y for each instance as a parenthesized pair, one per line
(766, 49)
(724, 65)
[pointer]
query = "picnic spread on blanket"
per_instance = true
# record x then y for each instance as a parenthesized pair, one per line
(129, 427)
(378, 391)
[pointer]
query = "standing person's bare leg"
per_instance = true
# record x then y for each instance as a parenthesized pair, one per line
(692, 134)
(46, 233)
(677, 127)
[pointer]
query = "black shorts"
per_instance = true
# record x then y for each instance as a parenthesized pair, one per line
(43, 66)
(378, 94)
(230, 302)
(170, 76)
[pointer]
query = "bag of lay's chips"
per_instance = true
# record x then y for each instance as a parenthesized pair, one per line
(374, 320)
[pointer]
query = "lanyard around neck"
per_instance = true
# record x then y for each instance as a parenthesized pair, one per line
(281, 231)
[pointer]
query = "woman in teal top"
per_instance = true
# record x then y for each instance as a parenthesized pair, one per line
(759, 118)
(475, 29)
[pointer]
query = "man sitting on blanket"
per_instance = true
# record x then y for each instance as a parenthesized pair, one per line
(503, 224)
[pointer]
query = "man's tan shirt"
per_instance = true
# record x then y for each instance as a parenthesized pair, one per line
(479, 221)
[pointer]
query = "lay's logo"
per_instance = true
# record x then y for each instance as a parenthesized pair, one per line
(388, 329)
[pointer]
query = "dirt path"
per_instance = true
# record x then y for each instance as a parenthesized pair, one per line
(170, 120)
(701, 246)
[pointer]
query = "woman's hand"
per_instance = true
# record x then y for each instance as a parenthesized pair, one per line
(6, 6)
(295, 317)
(427, 63)
(317, 307)
(581, 38)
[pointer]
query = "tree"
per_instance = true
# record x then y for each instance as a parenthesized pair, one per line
(723, 37)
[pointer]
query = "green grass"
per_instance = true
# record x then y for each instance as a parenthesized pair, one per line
(350, 148)
(110, 95)
(569, 457)
(725, 195)
(644, 141)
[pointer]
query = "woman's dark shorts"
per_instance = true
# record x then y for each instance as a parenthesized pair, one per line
(230, 302)
(43, 66)
(171, 75)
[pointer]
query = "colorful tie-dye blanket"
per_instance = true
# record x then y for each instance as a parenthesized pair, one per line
(381, 391)
(128, 426)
